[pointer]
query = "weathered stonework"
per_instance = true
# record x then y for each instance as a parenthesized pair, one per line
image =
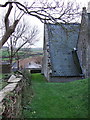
(5, 68)
(11, 99)
(46, 66)
(82, 42)
(58, 63)
(83, 46)
(58, 48)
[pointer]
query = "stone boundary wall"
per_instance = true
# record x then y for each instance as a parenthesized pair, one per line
(5, 68)
(11, 98)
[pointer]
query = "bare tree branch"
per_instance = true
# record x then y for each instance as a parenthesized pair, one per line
(54, 12)
(8, 33)
(23, 34)
(7, 15)
(43, 13)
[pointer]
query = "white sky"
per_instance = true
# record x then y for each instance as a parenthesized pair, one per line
(35, 21)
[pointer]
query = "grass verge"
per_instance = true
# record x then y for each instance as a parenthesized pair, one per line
(57, 100)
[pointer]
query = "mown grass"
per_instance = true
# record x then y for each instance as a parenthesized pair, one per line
(58, 100)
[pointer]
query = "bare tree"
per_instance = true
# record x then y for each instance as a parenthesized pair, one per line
(24, 35)
(9, 28)
(45, 11)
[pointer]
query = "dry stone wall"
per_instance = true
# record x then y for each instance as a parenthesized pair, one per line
(11, 98)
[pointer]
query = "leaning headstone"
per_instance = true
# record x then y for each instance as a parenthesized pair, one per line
(13, 77)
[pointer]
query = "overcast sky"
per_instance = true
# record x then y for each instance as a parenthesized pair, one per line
(34, 21)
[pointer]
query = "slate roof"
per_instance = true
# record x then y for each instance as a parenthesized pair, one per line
(62, 40)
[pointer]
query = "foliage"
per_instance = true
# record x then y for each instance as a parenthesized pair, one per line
(27, 76)
(3, 83)
(58, 100)
(0, 76)
(27, 91)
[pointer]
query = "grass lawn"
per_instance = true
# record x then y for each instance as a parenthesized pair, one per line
(57, 100)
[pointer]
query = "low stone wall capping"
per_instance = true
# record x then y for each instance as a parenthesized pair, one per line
(11, 98)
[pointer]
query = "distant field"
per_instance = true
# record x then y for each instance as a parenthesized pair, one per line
(23, 52)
